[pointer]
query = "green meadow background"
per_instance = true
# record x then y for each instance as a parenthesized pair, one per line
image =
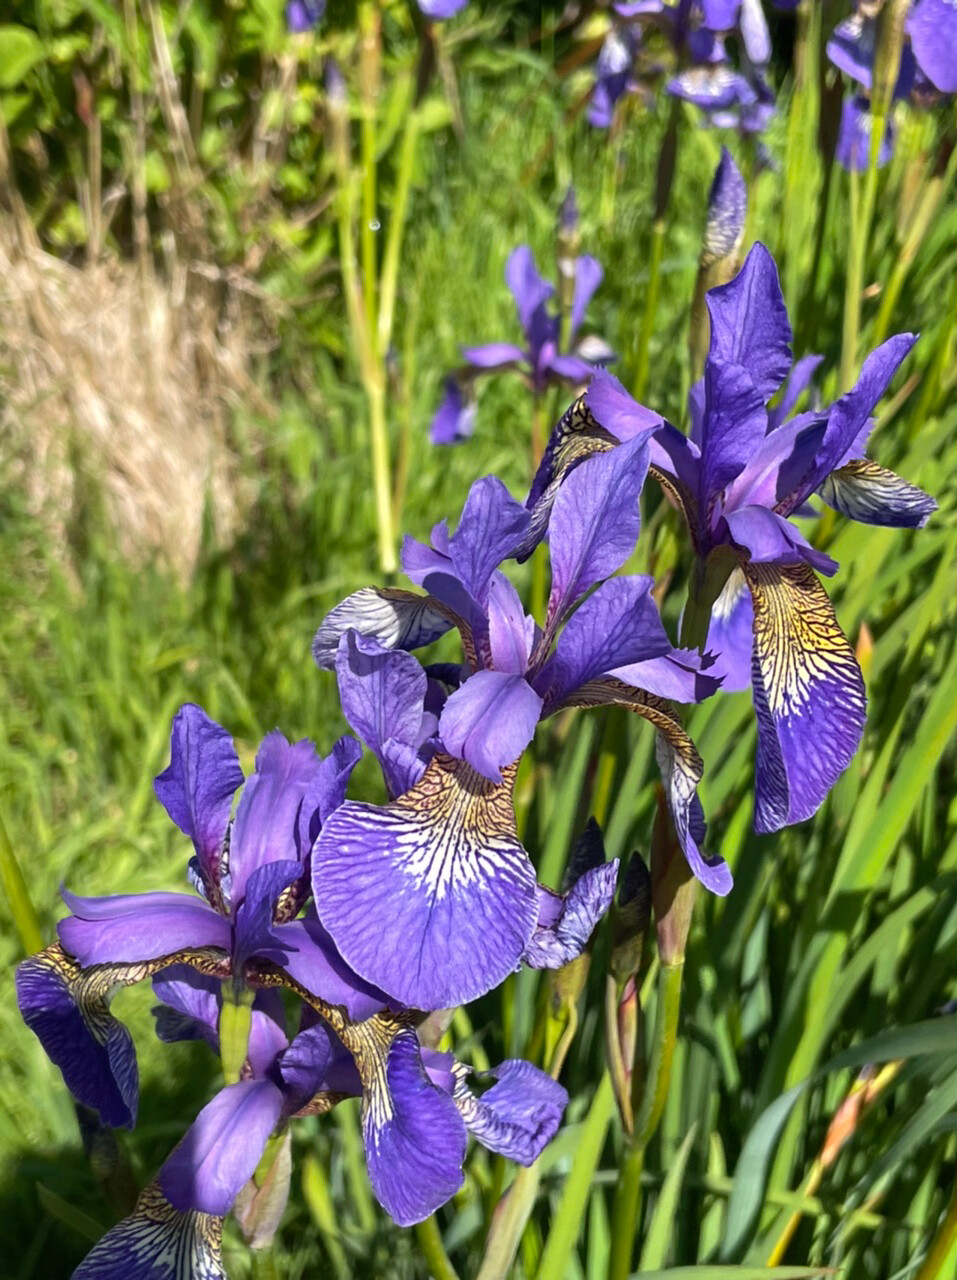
(185, 490)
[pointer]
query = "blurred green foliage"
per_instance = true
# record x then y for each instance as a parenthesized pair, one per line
(836, 930)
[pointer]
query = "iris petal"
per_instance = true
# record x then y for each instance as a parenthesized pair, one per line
(565, 937)
(397, 619)
(872, 494)
(808, 693)
(519, 1115)
(158, 1243)
(432, 897)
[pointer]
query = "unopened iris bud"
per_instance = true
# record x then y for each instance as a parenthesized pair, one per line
(569, 242)
(724, 230)
(588, 853)
(673, 889)
(630, 919)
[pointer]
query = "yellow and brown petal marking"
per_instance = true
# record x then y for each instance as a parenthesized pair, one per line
(809, 693)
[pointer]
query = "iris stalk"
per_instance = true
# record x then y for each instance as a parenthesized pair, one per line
(18, 896)
(433, 1250)
(663, 184)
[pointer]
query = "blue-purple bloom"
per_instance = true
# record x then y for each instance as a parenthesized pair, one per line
(433, 893)
(744, 471)
(304, 15)
(541, 360)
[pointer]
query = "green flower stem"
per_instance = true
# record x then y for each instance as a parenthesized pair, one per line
(433, 1250)
(235, 1022)
(393, 244)
(652, 294)
(934, 377)
(369, 67)
(353, 1155)
(25, 918)
(941, 1256)
(628, 1190)
(264, 1264)
(315, 1192)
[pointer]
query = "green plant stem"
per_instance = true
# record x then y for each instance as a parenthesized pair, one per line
(369, 57)
(652, 295)
(264, 1264)
(862, 209)
(354, 1159)
(235, 1023)
(941, 1254)
(25, 918)
(933, 378)
(315, 1191)
(393, 245)
(433, 1250)
(628, 1190)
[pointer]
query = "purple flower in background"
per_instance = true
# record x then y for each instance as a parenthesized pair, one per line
(727, 210)
(541, 360)
(304, 15)
(252, 878)
(613, 74)
(739, 478)
(439, 10)
(433, 894)
(932, 27)
(853, 149)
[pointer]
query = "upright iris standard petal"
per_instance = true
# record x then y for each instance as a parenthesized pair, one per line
(440, 10)
(749, 322)
(799, 379)
(734, 427)
(519, 1115)
(491, 526)
(527, 287)
(809, 694)
(595, 522)
(221, 1150)
(588, 276)
(494, 355)
(727, 208)
(156, 1242)
(730, 635)
(432, 897)
(190, 1006)
(569, 919)
(618, 624)
(197, 787)
(329, 788)
(266, 828)
(134, 927)
(414, 1136)
(397, 619)
(68, 1011)
(932, 27)
(511, 632)
(490, 720)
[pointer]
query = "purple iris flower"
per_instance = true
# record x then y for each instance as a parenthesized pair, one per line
(932, 27)
(739, 478)
(439, 10)
(252, 877)
(613, 74)
(540, 360)
(853, 150)
(433, 894)
(304, 15)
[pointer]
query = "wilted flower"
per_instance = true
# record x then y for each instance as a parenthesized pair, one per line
(738, 479)
(541, 360)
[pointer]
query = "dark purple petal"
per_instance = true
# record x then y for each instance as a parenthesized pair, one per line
(932, 26)
(432, 897)
(851, 48)
(528, 288)
(414, 1136)
(730, 635)
(511, 631)
(848, 418)
(454, 419)
(799, 379)
(267, 827)
(872, 494)
(439, 10)
(397, 619)
(808, 692)
(853, 150)
(588, 276)
(329, 788)
(712, 87)
(769, 538)
(727, 208)
(191, 1005)
(617, 625)
(490, 720)
(595, 522)
(572, 368)
(383, 695)
(681, 675)
(719, 15)
(612, 75)
(778, 465)
(253, 932)
(267, 1035)
(494, 355)
(139, 926)
(734, 428)
(220, 1152)
(749, 322)
(68, 1011)
(157, 1243)
(519, 1115)
(311, 959)
(617, 411)
(198, 786)
(491, 526)
(303, 15)
(562, 940)
(304, 1067)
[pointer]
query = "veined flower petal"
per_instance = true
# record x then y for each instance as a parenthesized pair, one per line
(730, 635)
(397, 619)
(222, 1148)
(808, 691)
(573, 919)
(414, 1136)
(867, 492)
(431, 898)
(490, 720)
(131, 927)
(156, 1242)
(749, 323)
(519, 1115)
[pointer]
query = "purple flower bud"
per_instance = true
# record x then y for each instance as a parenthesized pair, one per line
(727, 207)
